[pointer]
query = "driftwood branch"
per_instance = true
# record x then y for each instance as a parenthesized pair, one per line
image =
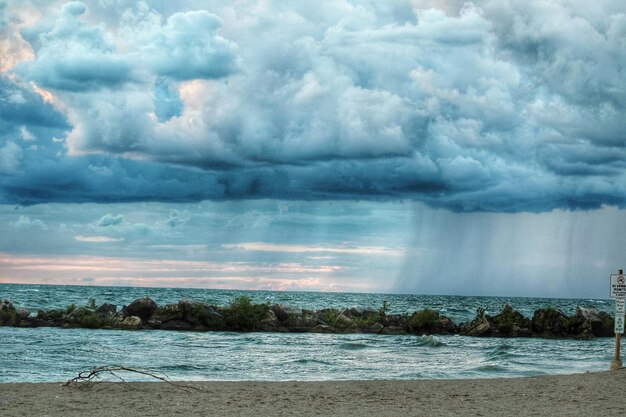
(88, 378)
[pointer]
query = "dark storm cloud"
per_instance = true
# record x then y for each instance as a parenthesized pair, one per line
(101, 179)
(23, 116)
(21, 105)
(492, 106)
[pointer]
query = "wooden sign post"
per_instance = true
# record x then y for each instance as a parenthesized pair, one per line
(618, 292)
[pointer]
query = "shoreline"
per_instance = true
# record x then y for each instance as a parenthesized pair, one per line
(592, 393)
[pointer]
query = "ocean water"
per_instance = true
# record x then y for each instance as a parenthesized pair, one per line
(52, 354)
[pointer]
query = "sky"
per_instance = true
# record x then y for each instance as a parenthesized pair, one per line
(429, 147)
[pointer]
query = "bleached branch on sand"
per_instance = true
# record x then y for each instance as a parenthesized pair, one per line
(88, 378)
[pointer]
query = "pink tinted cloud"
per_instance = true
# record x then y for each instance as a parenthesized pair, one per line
(345, 249)
(97, 239)
(98, 270)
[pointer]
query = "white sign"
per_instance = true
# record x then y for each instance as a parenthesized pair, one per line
(620, 303)
(619, 324)
(618, 286)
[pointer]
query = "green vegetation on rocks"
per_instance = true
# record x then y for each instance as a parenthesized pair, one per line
(428, 321)
(244, 315)
(8, 314)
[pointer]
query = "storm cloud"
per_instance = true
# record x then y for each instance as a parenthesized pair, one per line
(485, 106)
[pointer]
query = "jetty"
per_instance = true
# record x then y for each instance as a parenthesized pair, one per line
(241, 315)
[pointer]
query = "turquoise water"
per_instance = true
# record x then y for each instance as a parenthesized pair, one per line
(52, 354)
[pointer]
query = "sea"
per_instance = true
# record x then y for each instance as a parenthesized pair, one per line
(56, 354)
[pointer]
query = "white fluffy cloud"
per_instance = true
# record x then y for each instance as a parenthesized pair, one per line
(25, 222)
(110, 220)
(10, 157)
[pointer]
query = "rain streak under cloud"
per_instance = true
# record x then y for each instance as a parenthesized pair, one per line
(450, 107)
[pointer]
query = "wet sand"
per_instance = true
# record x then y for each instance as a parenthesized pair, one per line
(589, 394)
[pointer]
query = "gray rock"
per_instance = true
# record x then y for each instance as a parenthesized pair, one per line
(280, 312)
(393, 320)
(107, 309)
(270, 322)
(394, 330)
(549, 322)
(196, 312)
(589, 324)
(6, 306)
(169, 312)
(478, 327)
(292, 311)
(344, 321)
(429, 321)
(302, 323)
(177, 325)
(510, 323)
(375, 328)
(141, 307)
(130, 323)
(322, 328)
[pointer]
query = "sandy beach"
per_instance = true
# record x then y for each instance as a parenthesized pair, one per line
(589, 394)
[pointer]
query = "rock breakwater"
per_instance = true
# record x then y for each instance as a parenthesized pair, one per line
(243, 315)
